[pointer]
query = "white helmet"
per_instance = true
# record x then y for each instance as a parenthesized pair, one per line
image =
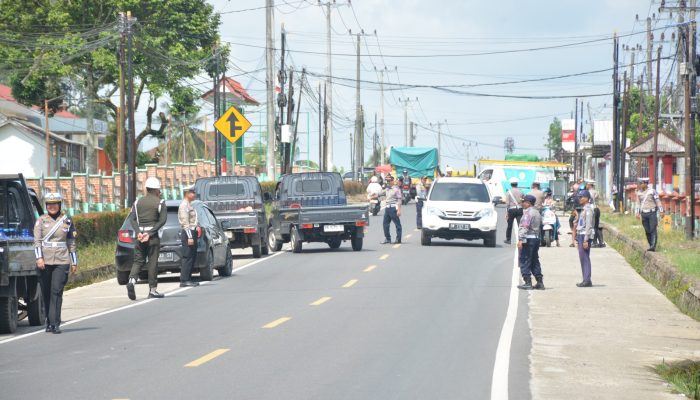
(374, 179)
(513, 180)
(53, 197)
(152, 183)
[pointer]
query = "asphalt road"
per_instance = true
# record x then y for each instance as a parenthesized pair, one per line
(389, 322)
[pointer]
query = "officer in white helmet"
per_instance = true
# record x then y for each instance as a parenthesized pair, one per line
(148, 215)
(514, 205)
(56, 255)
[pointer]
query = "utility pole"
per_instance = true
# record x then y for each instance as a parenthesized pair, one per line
(410, 135)
(121, 142)
(616, 125)
(205, 134)
(222, 109)
(439, 144)
(641, 105)
(296, 120)
(582, 159)
(326, 117)
(290, 110)
(320, 129)
(405, 101)
(282, 101)
(381, 119)
(131, 141)
(625, 119)
(657, 109)
(270, 89)
(576, 140)
(650, 38)
(358, 117)
(690, 109)
(374, 138)
(217, 113)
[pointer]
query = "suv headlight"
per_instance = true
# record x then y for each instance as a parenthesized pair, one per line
(436, 211)
(486, 212)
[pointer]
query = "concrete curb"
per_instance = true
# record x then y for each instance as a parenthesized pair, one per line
(100, 273)
(683, 290)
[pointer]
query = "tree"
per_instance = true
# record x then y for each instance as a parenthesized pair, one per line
(61, 47)
(647, 116)
(554, 137)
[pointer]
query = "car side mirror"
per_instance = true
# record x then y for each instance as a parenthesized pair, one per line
(497, 200)
(267, 197)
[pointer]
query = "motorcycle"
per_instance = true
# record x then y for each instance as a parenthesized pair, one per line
(550, 226)
(406, 192)
(570, 202)
(374, 204)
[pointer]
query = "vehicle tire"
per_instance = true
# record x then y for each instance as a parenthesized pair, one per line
(356, 243)
(227, 268)
(548, 239)
(490, 240)
(263, 247)
(257, 251)
(272, 243)
(207, 272)
(334, 243)
(122, 277)
(425, 238)
(295, 240)
(35, 310)
(8, 314)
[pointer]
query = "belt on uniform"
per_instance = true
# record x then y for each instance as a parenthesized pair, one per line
(391, 206)
(54, 244)
(145, 228)
(530, 236)
(514, 208)
(650, 210)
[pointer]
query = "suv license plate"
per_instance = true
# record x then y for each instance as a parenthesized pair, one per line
(166, 257)
(333, 228)
(459, 227)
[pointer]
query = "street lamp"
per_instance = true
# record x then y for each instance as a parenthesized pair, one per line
(46, 130)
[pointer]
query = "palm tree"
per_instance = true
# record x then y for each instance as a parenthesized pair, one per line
(183, 142)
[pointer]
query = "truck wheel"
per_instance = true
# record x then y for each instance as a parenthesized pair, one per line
(122, 277)
(356, 243)
(35, 309)
(425, 238)
(8, 314)
(490, 240)
(257, 251)
(207, 271)
(295, 240)
(272, 243)
(334, 243)
(227, 269)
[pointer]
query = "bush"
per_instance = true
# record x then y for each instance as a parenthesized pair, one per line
(98, 227)
(352, 187)
(268, 186)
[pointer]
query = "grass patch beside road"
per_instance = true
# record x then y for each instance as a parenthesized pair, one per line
(684, 377)
(96, 255)
(683, 254)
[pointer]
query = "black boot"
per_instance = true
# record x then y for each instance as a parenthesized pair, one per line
(540, 283)
(601, 241)
(652, 242)
(527, 285)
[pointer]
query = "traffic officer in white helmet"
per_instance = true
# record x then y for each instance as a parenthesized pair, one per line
(56, 255)
(514, 205)
(148, 215)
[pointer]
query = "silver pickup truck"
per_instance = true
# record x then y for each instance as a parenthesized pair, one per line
(312, 207)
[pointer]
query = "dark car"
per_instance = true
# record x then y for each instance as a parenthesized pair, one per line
(213, 251)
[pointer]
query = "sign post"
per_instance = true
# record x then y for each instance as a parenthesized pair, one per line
(232, 126)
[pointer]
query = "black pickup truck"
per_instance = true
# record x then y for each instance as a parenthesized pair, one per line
(238, 205)
(312, 207)
(20, 288)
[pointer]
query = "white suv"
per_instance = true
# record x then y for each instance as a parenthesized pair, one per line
(459, 208)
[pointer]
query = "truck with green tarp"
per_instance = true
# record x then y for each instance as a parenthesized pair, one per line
(418, 161)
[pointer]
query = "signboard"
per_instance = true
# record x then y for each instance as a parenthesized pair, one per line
(568, 135)
(232, 124)
(667, 223)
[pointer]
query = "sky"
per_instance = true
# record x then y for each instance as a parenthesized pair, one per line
(437, 43)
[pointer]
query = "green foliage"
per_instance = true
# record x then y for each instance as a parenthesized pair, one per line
(352, 187)
(554, 136)
(254, 155)
(268, 186)
(684, 377)
(98, 227)
(647, 116)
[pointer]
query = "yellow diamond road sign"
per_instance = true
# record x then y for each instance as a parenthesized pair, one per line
(232, 124)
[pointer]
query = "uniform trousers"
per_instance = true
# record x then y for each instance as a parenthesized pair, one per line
(189, 255)
(53, 280)
(584, 256)
(529, 258)
(146, 254)
(390, 216)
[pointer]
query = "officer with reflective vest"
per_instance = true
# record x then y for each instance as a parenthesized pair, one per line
(187, 216)
(56, 256)
(649, 205)
(148, 215)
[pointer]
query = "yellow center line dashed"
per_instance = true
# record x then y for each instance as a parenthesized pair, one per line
(277, 323)
(409, 236)
(320, 301)
(384, 257)
(350, 283)
(370, 268)
(397, 245)
(206, 358)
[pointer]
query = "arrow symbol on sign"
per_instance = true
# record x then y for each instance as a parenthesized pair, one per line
(232, 119)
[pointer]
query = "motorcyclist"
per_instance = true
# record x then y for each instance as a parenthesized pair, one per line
(374, 188)
(550, 203)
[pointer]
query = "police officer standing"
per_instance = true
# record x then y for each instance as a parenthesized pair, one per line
(585, 230)
(529, 245)
(514, 199)
(649, 205)
(538, 194)
(392, 209)
(148, 215)
(421, 193)
(55, 250)
(187, 216)
(598, 237)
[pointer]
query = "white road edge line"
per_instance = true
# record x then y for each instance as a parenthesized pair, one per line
(140, 303)
(499, 380)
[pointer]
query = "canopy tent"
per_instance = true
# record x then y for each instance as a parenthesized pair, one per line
(419, 161)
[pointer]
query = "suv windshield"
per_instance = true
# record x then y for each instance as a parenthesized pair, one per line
(457, 191)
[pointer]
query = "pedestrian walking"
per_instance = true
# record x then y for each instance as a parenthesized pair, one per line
(148, 215)
(598, 238)
(514, 207)
(649, 205)
(421, 193)
(187, 216)
(537, 192)
(392, 209)
(56, 256)
(529, 245)
(585, 230)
